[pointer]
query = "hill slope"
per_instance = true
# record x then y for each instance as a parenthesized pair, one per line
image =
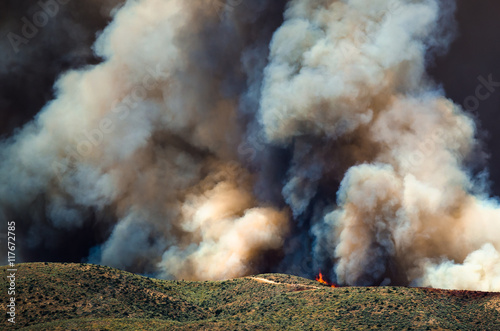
(87, 297)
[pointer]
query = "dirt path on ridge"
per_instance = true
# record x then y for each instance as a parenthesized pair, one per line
(263, 280)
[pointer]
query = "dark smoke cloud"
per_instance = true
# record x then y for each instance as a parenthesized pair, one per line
(217, 139)
(28, 69)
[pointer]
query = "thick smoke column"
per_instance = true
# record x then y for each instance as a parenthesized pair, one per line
(353, 73)
(148, 140)
(219, 139)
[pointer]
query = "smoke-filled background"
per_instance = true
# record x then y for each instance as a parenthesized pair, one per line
(216, 139)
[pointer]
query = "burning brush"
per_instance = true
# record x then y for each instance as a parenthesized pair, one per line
(320, 278)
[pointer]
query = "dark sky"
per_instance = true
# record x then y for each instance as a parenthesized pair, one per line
(475, 53)
(27, 77)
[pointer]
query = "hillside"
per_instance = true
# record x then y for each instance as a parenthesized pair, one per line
(87, 297)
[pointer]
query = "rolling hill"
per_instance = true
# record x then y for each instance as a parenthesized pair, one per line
(89, 297)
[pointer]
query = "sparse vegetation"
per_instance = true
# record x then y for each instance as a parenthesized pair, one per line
(87, 297)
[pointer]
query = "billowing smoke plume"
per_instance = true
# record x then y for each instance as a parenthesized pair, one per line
(219, 139)
(148, 141)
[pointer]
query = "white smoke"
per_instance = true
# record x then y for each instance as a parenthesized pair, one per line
(154, 141)
(354, 72)
(480, 271)
(149, 135)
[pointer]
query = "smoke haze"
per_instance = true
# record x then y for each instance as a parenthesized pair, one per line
(213, 140)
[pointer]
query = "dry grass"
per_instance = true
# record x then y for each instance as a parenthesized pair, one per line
(87, 297)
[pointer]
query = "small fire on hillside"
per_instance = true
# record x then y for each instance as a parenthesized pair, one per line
(320, 278)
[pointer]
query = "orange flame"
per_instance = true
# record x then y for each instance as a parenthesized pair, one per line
(320, 279)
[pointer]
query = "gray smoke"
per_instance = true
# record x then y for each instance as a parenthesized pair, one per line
(220, 139)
